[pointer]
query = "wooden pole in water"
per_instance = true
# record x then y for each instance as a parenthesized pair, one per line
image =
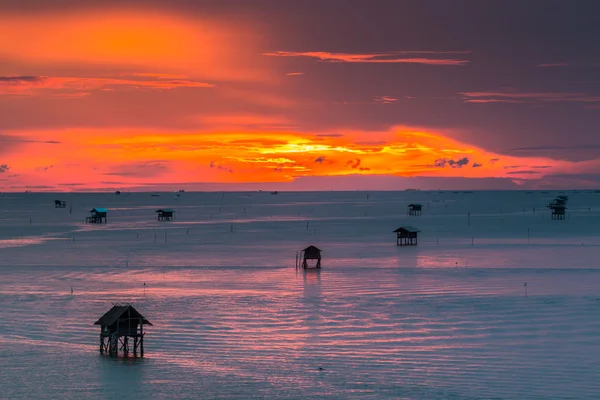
(525, 285)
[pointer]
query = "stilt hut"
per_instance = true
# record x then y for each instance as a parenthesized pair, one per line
(60, 204)
(558, 211)
(311, 253)
(414, 209)
(165, 214)
(407, 236)
(117, 326)
(97, 216)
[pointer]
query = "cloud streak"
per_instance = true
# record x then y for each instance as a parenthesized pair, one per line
(411, 57)
(527, 97)
(78, 86)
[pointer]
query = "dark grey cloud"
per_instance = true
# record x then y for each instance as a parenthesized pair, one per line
(443, 162)
(4, 168)
(214, 164)
(320, 159)
(354, 164)
(19, 79)
(477, 165)
(524, 172)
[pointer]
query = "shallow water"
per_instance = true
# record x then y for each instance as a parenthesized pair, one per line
(447, 319)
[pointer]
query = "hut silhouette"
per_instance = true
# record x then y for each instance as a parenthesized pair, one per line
(165, 214)
(119, 324)
(60, 204)
(558, 207)
(407, 236)
(414, 209)
(97, 216)
(311, 253)
(558, 211)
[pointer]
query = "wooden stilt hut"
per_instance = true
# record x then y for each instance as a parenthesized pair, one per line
(311, 253)
(97, 216)
(60, 204)
(117, 326)
(407, 236)
(414, 209)
(165, 214)
(558, 212)
(558, 207)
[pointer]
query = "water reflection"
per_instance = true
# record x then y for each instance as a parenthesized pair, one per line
(124, 375)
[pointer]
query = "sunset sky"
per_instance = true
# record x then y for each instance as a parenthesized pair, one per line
(299, 95)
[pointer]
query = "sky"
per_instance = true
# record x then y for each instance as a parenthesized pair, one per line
(299, 95)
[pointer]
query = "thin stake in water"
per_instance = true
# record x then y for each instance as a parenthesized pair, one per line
(525, 285)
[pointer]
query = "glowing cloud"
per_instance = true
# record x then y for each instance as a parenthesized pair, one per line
(140, 157)
(412, 57)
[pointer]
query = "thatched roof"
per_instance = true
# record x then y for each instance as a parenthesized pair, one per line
(99, 210)
(407, 228)
(165, 210)
(311, 249)
(121, 312)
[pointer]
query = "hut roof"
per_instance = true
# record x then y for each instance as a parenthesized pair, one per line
(118, 311)
(415, 205)
(99, 210)
(165, 210)
(408, 229)
(311, 249)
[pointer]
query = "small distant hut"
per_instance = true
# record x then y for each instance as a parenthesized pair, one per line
(60, 204)
(165, 214)
(558, 211)
(97, 216)
(119, 324)
(407, 236)
(311, 253)
(414, 209)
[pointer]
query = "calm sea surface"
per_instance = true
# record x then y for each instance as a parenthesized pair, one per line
(232, 318)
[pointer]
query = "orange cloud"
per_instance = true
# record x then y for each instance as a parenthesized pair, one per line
(138, 157)
(389, 57)
(140, 41)
(32, 85)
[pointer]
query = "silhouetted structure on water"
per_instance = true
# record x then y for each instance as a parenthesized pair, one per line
(117, 326)
(407, 236)
(97, 216)
(414, 209)
(311, 253)
(165, 214)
